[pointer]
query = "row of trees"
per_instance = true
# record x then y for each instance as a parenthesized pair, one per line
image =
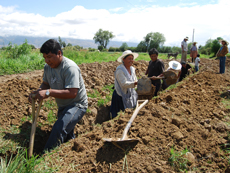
(153, 40)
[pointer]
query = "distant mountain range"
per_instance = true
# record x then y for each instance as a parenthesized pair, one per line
(38, 41)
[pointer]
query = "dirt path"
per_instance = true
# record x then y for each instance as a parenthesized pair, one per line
(189, 116)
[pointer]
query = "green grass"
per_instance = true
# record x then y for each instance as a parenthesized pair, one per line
(177, 159)
(51, 118)
(102, 100)
(35, 61)
(8, 144)
(50, 104)
(226, 102)
(22, 164)
(24, 63)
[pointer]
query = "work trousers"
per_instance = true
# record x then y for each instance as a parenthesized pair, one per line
(63, 128)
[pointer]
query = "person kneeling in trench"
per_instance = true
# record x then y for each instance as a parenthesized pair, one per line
(124, 95)
(185, 70)
(62, 80)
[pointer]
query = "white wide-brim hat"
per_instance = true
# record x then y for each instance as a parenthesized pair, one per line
(224, 41)
(186, 38)
(175, 65)
(125, 53)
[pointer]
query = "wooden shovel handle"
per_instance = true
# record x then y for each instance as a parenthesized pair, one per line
(124, 135)
(33, 128)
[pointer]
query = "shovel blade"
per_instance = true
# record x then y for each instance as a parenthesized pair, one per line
(118, 140)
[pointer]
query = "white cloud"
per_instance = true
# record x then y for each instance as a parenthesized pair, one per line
(7, 9)
(116, 9)
(175, 22)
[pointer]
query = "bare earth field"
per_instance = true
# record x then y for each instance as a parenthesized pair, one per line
(190, 116)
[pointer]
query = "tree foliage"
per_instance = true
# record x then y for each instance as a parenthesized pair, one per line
(124, 47)
(210, 47)
(157, 40)
(215, 46)
(103, 37)
(165, 49)
(62, 43)
(153, 40)
(141, 47)
(147, 40)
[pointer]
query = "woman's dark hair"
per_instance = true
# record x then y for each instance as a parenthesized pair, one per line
(52, 46)
(153, 51)
(224, 42)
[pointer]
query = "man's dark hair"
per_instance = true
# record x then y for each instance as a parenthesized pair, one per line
(153, 51)
(198, 55)
(52, 46)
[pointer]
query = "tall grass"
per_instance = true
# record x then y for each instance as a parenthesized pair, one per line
(20, 163)
(34, 59)
(24, 63)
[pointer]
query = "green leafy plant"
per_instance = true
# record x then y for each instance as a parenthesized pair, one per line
(50, 104)
(51, 117)
(102, 101)
(94, 94)
(21, 163)
(177, 159)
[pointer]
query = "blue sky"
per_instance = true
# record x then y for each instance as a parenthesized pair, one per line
(51, 8)
(129, 20)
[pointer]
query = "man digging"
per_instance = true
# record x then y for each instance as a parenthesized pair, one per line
(62, 80)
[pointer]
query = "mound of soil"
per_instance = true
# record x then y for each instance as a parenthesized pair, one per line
(189, 116)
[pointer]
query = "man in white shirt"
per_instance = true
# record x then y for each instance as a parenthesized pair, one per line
(184, 48)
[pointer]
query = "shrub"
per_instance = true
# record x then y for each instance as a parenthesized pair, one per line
(14, 51)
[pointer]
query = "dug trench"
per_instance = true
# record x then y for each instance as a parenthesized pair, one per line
(190, 115)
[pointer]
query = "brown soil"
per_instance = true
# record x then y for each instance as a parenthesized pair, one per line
(189, 116)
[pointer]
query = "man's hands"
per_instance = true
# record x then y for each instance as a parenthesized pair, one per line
(39, 95)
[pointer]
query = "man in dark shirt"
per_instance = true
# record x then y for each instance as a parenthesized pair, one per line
(185, 70)
(155, 69)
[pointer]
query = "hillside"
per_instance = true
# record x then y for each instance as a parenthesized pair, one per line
(38, 41)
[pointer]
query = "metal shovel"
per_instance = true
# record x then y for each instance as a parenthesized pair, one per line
(34, 124)
(124, 137)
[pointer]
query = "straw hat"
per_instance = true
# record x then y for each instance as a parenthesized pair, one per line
(125, 53)
(224, 41)
(194, 42)
(175, 65)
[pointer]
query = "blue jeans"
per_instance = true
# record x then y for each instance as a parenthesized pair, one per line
(222, 64)
(196, 68)
(63, 128)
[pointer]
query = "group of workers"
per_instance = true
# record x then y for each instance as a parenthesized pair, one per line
(62, 80)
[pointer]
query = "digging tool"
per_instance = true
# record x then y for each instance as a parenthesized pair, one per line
(34, 123)
(124, 137)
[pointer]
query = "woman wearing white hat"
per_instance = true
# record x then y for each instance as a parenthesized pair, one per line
(174, 66)
(124, 95)
(221, 55)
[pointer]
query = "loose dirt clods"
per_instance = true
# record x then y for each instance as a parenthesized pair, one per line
(190, 116)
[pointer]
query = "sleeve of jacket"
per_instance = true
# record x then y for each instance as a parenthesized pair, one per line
(120, 76)
(223, 52)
